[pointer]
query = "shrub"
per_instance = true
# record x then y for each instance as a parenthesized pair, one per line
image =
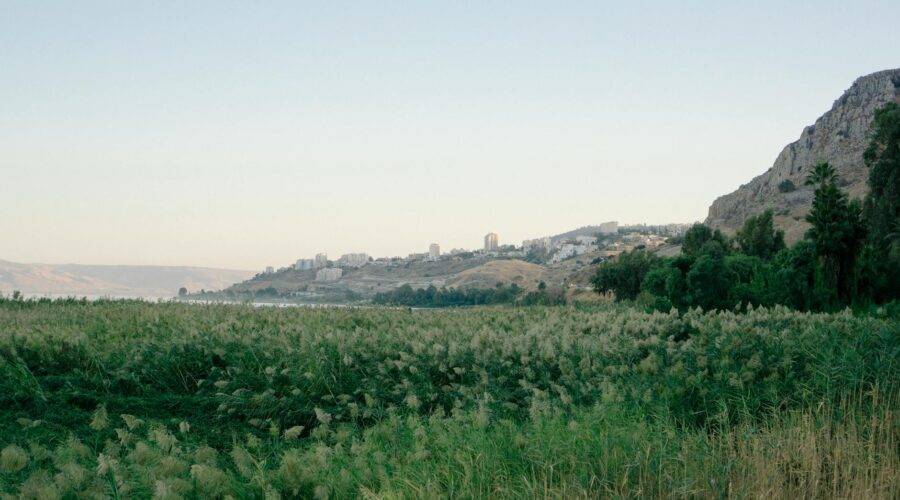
(786, 186)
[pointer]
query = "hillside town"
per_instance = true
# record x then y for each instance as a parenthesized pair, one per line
(608, 239)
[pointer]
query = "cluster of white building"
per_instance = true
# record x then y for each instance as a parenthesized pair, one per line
(353, 260)
(320, 261)
(567, 250)
(329, 274)
(537, 243)
(305, 264)
(635, 236)
(562, 250)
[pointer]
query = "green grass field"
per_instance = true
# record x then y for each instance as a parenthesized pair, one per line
(142, 400)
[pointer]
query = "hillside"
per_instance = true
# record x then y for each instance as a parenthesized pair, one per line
(524, 274)
(119, 281)
(365, 282)
(838, 137)
(571, 271)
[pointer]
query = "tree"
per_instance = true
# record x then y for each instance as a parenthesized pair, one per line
(758, 236)
(182, 292)
(751, 280)
(786, 186)
(709, 281)
(697, 236)
(882, 205)
(882, 157)
(837, 231)
(666, 286)
(796, 279)
(537, 255)
(624, 275)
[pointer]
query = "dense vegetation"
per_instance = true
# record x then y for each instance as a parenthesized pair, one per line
(133, 399)
(850, 256)
(454, 297)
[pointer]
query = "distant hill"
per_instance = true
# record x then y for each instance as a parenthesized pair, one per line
(838, 137)
(119, 281)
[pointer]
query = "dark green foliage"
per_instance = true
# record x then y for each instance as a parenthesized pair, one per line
(786, 186)
(882, 157)
(709, 281)
(697, 236)
(665, 288)
(751, 280)
(624, 275)
(796, 279)
(837, 232)
(758, 237)
(711, 278)
(132, 399)
(882, 206)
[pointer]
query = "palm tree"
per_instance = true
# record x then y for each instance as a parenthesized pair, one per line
(823, 173)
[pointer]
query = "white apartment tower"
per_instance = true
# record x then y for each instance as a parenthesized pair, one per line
(611, 227)
(304, 264)
(490, 242)
(434, 251)
(321, 260)
(353, 260)
(329, 274)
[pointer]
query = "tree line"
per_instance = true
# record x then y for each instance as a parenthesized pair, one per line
(453, 297)
(850, 256)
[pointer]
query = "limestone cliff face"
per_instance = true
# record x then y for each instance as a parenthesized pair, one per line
(838, 137)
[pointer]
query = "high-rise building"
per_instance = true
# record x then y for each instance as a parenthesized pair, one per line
(329, 274)
(434, 251)
(491, 242)
(544, 243)
(321, 260)
(609, 227)
(270, 269)
(304, 264)
(353, 260)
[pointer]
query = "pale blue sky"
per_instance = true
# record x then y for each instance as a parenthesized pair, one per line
(242, 134)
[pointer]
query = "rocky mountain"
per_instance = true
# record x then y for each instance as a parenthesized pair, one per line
(116, 281)
(838, 137)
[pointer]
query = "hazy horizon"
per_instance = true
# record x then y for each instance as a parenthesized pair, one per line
(238, 136)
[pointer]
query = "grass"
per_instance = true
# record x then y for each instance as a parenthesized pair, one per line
(139, 400)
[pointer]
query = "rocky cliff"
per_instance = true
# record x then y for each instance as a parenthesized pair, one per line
(838, 137)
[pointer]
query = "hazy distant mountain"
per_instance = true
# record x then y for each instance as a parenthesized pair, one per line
(838, 137)
(122, 281)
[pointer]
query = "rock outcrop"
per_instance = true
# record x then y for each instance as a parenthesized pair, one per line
(838, 137)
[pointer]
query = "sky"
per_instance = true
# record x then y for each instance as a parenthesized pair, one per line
(246, 134)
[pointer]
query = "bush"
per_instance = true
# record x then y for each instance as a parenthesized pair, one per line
(134, 399)
(786, 186)
(623, 276)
